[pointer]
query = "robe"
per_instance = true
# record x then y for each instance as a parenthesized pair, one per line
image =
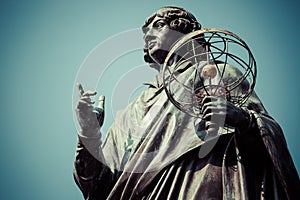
(155, 151)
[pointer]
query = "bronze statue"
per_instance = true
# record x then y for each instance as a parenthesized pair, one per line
(152, 149)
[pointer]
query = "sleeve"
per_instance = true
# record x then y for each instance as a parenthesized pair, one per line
(276, 146)
(264, 142)
(98, 166)
(92, 176)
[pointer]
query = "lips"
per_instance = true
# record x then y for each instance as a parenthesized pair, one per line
(151, 44)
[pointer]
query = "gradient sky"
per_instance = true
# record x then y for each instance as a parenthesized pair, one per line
(44, 44)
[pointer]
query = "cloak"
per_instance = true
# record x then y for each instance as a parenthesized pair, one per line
(155, 151)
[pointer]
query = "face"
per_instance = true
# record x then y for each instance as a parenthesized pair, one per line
(159, 39)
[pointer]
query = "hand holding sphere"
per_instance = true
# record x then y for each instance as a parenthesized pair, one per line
(217, 90)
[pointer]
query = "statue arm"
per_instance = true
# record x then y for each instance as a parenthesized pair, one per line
(91, 173)
(92, 176)
(264, 142)
(275, 144)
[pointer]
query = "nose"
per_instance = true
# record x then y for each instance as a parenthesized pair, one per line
(149, 35)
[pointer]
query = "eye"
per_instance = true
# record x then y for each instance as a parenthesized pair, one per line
(160, 24)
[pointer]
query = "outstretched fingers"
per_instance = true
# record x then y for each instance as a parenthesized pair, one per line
(82, 93)
(101, 102)
(89, 93)
(80, 89)
(87, 99)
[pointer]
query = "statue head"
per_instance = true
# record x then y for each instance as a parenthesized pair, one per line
(162, 29)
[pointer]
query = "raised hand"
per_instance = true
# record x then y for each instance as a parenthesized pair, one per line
(90, 119)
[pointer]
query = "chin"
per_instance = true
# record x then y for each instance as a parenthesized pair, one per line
(158, 56)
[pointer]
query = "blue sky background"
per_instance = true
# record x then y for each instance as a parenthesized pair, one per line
(43, 44)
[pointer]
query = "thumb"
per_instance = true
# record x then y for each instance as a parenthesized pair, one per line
(101, 101)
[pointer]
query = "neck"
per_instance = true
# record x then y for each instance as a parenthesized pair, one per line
(159, 66)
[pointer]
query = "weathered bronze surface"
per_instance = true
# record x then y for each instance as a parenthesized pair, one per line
(155, 151)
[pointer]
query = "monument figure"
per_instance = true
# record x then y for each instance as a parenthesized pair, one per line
(154, 150)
